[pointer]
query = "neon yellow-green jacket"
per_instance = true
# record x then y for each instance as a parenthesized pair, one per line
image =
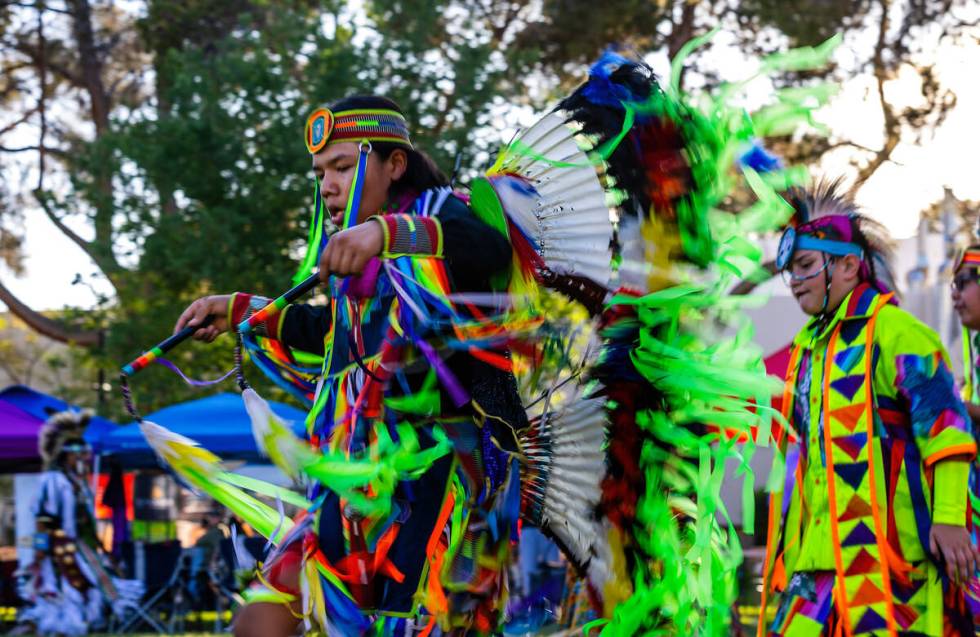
(861, 484)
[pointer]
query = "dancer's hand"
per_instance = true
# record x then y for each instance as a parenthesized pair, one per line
(349, 250)
(953, 544)
(214, 306)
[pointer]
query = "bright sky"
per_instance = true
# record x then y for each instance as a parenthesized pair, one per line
(916, 176)
(895, 195)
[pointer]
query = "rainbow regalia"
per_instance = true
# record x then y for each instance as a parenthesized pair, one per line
(420, 456)
(873, 410)
(969, 259)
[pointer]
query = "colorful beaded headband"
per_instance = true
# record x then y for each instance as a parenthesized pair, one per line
(969, 258)
(373, 125)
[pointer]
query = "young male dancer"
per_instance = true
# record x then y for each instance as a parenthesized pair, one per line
(870, 528)
(350, 570)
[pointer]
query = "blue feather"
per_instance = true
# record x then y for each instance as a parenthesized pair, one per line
(600, 89)
(759, 159)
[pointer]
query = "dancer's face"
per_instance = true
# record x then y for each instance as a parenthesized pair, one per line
(334, 166)
(966, 297)
(808, 283)
(77, 462)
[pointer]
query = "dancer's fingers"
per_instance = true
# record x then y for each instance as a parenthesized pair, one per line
(347, 265)
(966, 562)
(325, 261)
(190, 316)
(958, 562)
(337, 260)
(953, 563)
(361, 263)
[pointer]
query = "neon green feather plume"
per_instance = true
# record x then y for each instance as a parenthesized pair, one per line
(202, 469)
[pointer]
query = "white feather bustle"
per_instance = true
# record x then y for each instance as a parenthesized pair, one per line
(567, 214)
(561, 483)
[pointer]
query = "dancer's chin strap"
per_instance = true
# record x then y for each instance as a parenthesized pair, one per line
(829, 265)
(969, 382)
(829, 274)
(357, 186)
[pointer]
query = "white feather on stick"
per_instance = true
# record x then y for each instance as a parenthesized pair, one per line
(274, 438)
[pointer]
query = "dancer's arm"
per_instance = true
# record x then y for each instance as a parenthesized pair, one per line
(299, 326)
(473, 251)
(917, 364)
(974, 411)
(914, 361)
(948, 537)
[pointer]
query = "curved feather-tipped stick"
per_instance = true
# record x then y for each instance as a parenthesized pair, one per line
(147, 357)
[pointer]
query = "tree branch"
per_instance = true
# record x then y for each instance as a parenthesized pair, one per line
(19, 149)
(33, 5)
(42, 102)
(24, 149)
(44, 325)
(104, 258)
(61, 70)
(745, 286)
(844, 143)
(681, 32)
(11, 126)
(893, 132)
(91, 65)
(42, 200)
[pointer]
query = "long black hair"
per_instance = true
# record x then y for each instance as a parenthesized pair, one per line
(421, 172)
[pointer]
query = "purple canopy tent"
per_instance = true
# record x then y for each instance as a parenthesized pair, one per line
(22, 414)
(18, 437)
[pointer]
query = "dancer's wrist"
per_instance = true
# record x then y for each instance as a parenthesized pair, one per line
(950, 479)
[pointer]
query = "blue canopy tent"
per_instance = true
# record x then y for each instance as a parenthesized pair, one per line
(219, 423)
(22, 413)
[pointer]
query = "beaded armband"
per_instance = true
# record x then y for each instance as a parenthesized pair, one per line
(410, 235)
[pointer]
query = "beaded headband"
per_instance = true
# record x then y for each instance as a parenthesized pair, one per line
(324, 127)
(969, 258)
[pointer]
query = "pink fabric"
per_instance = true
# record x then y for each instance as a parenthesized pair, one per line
(362, 286)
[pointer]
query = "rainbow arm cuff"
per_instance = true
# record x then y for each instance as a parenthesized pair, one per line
(410, 235)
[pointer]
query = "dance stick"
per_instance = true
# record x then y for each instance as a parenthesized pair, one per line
(165, 346)
(272, 308)
(276, 306)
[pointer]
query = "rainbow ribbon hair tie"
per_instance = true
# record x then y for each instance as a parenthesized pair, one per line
(324, 127)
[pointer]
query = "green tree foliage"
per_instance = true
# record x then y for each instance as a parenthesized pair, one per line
(183, 149)
(163, 136)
